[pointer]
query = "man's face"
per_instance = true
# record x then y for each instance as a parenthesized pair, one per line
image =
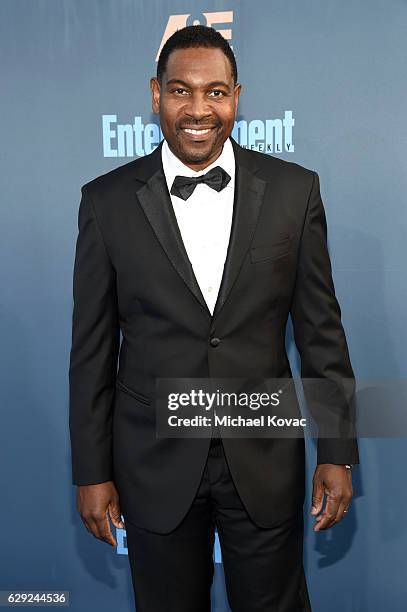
(197, 93)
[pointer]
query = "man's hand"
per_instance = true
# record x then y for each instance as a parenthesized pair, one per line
(336, 482)
(95, 503)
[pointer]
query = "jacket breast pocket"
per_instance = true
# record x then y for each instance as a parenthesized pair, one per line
(271, 250)
(136, 394)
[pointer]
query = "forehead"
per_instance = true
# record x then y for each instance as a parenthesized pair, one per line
(198, 65)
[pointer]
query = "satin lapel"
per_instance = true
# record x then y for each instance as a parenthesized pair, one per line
(249, 193)
(155, 200)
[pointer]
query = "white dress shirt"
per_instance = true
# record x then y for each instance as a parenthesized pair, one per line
(204, 219)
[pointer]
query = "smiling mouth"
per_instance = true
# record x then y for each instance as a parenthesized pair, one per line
(197, 133)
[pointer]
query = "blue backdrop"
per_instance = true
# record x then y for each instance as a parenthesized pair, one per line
(324, 85)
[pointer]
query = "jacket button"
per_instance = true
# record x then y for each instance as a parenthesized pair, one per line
(214, 341)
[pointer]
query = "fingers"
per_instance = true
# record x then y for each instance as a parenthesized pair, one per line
(327, 518)
(345, 503)
(98, 525)
(95, 503)
(317, 496)
(116, 515)
(342, 511)
(336, 507)
(335, 481)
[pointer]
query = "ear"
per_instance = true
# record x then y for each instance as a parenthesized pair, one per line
(238, 88)
(155, 95)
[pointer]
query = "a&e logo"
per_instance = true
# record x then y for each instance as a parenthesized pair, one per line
(176, 22)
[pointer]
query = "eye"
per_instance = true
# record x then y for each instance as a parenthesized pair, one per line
(218, 91)
(178, 89)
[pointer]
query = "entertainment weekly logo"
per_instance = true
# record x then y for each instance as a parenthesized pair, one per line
(139, 138)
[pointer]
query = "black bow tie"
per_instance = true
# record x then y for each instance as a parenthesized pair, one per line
(183, 186)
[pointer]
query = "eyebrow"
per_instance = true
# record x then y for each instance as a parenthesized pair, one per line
(211, 84)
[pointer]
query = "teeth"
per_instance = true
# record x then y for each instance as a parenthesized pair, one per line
(196, 131)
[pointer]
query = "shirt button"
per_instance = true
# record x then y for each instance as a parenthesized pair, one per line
(214, 341)
(210, 288)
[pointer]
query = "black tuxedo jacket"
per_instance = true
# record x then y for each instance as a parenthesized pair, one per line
(132, 273)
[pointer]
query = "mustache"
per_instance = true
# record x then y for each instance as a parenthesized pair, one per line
(197, 125)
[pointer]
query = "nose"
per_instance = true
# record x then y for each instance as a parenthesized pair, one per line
(198, 107)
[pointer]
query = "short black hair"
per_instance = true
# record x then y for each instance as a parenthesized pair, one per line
(195, 36)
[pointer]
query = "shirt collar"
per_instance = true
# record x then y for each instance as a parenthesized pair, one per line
(173, 166)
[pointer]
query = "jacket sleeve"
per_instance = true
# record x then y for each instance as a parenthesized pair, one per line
(326, 371)
(94, 352)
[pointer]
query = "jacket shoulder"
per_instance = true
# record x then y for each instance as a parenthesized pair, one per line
(271, 163)
(122, 178)
(118, 178)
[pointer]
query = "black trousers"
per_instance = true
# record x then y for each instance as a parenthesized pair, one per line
(263, 567)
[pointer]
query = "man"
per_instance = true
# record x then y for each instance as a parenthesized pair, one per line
(200, 276)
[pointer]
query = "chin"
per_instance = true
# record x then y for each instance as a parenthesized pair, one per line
(195, 154)
(197, 157)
